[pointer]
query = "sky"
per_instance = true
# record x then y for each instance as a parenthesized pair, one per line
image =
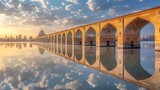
(30, 16)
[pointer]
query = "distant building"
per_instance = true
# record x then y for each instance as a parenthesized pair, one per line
(41, 33)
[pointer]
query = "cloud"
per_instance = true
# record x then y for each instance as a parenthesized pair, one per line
(142, 88)
(68, 7)
(32, 71)
(68, 76)
(120, 86)
(85, 16)
(92, 80)
(74, 85)
(96, 5)
(73, 1)
(43, 2)
(111, 11)
(27, 7)
(44, 82)
(141, 0)
(13, 3)
(2, 7)
(59, 87)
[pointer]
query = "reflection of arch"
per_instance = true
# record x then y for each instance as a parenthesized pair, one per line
(63, 43)
(69, 50)
(69, 44)
(90, 54)
(108, 58)
(41, 51)
(52, 39)
(78, 52)
(90, 37)
(69, 38)
(30, 45)
(133, 66)
(59, 43)
(132, 32)
(108, 35)
(78, 37)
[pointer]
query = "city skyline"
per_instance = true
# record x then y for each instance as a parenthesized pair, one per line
(31, 16)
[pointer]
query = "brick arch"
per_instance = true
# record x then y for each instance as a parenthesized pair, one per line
(59, 38)
(78, 37)
(132, 32)
(63, 43)
(55, 44)
(59, 42)
(69, 43)
(63, 38)
(108, 35)
(90, 36)
(148, 19)
(69, 37)
(136, 24)
(52, 38)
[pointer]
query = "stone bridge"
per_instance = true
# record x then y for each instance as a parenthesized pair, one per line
(122, 32)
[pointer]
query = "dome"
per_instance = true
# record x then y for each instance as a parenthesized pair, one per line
(41, 33)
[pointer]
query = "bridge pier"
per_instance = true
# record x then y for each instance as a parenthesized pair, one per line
(157, 31)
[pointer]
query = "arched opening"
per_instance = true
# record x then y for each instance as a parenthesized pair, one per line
(78, 37)
(63, 38)
(108, 36)
(78, 45)
(69, 38)
(52, 43)
(59, 38)
(52, 39)
(59, 43)
(48, 39)
(69, 44)
(133, 33)
(90, 37)
(55, 43)
(63, 43)
(139, 34)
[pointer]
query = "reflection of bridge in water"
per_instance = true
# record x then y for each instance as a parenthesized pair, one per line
(82, 44)
(121, 63)
(18, 45)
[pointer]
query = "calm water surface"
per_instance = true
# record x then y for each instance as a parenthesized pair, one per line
(27, 66)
